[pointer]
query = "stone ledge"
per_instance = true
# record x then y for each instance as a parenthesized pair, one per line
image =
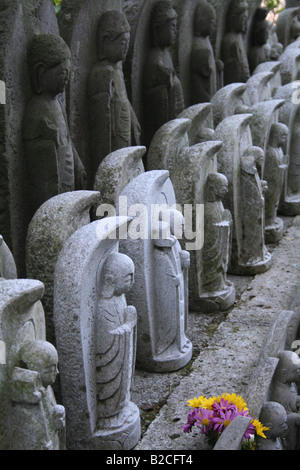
(227, 363)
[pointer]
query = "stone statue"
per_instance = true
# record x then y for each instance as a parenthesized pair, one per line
(97, 355)
(171, 265)
(41, 419)
(115, 338)
(259, 50)
(53, 164)
(215, 288)
(288, 26)
(206, 72)
(233, 50)
(8, 269)
(163, 95)
(253, 203)
(284, 391)
(113, 123)
(273, 416)
(275, 167)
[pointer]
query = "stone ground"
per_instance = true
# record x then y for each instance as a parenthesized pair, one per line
(226, 346)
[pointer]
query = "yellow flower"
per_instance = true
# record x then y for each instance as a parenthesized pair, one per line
(201, 402)
(259, 427)
(237, 400)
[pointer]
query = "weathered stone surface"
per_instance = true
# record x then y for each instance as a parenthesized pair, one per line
(289, 69)
(228, 101)
(201, 127)
(8, 269)
(90, 281)
(232, 437)
(116, 171)
(53, 223)
(273, 67)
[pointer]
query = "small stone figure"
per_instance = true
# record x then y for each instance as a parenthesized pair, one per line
(273, 416)
(274, 173)
(233, 51)
(40, 420)
(115, 340)
(171, 286)
(284, 391)
(206, 71)
(53, 164)
(260, 50)
(163, 95)
(288, 26)
(216, 289)
(253, 203)
(113, 123)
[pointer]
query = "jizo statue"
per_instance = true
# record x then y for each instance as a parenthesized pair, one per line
(113, 123)
(115, 337)
(206, 71)
(53, 164)
(233, 50)
(163, 96)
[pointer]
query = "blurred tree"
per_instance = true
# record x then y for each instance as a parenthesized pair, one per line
(275, 7)
(57, 5)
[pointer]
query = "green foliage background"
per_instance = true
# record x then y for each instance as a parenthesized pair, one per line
(57, 5)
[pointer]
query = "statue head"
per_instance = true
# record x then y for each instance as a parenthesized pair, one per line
(278, 135)
(216, 187)
(113, 36)
(294, 26)
(261, 27)
(41, 356)
(273, 416)
(49, 60)
(163, 24)
(237, 16)
(288, 368)
(116, 276)
(204, 19)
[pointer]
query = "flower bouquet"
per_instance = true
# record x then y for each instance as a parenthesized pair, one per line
(214, 414)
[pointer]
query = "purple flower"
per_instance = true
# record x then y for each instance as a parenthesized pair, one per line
(191, 420)
(224, 419)
(204, 419)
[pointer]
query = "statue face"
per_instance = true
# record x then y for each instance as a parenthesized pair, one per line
(205, 25)
(166, 34)
(124, 283)
(115, 49)
(294, 28)
(48, 373)
(239, 22)
(54, 80)
(222, 188)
